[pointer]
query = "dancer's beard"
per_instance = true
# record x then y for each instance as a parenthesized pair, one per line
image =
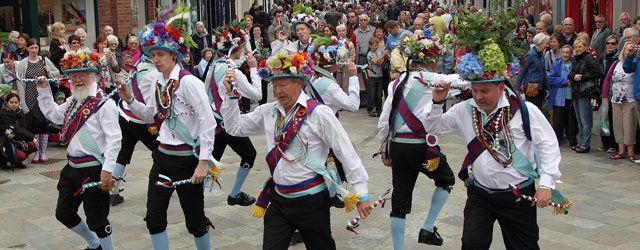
(80, 93)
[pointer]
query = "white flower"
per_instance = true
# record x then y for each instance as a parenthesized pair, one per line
(181, 40)
(220, 45)
(343, 52)
(293, 70)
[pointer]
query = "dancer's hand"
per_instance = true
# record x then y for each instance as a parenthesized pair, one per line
(42, 82)
(202, 170)
(543, 196)
(364, 209)
(440, 93)
(125, 92)
(105, 180)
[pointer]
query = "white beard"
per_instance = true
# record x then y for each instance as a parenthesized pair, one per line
(83, 92)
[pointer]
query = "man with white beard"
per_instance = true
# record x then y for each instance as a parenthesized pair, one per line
(90, 128)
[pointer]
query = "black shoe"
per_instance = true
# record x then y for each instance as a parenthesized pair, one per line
(430, 238)
(372, 113)
(296, 238)
(20, 165)
(99, 248)
(336, 202)
(116, 199)
(243, 199)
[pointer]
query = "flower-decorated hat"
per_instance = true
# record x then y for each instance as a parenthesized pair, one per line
(305, 19)
(171, 35)
(489, 50)
(329, 50)
(285, 65)
(81, 60)
(230, 37)
(421, 48)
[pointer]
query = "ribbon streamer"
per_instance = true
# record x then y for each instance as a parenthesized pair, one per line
(355, 222)
(86, 185)
(432, 84)
(33, 80)
(516, 192)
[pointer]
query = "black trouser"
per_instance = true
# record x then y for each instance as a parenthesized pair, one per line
(537, 100)
(132, 133)
(309, 214)
(565, 122)
(265, 85)
(407, 160)
(191, 195)
(241, 145)
(94, 201)
(609, 141)
(374, 94)
(517, 219)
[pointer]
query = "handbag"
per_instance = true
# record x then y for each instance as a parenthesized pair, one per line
(586, 89)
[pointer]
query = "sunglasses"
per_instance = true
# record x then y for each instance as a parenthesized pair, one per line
(75, 42)
(611, 43)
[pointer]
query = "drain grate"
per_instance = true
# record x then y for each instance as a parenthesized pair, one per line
(52, 174)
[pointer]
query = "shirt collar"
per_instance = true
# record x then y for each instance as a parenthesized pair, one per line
(302, 100)
(503, 102)
(175, 74)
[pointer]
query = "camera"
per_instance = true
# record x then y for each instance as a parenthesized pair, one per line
(106, 50)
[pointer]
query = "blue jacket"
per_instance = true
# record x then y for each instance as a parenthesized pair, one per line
(558, 84)
(630, 65)
(533, 71)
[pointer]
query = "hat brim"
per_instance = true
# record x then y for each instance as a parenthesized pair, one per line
(496, 80)
(148, 49)
(282, 76)
(74, 70)
(293, 26)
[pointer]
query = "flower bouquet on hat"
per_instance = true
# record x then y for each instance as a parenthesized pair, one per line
(285, 65)
(230, 37)
(170, 35)
(487, 46)
(421, 48)
(81, 60)
(330, 50)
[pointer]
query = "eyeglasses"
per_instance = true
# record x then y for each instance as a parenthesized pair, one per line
(363, 20)
(599, 21)
(113, 44)
(75, 42)
(611, 43)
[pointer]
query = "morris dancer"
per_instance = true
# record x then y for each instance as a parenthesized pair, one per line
(407, 145)
(186, 133)
(231, 41)
(303, 131)
(91, 131)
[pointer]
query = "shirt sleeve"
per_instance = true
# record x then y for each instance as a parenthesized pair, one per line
(109, 121)
(338, 140)
(334, 96)
(204, 115)
(242, 125)
(544, 140)
(251, 90)
(51, 110)
(383, 121)
(437, 122)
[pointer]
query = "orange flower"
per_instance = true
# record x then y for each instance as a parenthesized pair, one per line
(94, 56)
(298, 59)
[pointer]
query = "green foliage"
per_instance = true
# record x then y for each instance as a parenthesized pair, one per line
(300, 8)
(321, 39)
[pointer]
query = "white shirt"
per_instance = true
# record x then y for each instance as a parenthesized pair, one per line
(103, 126)
(277, 46)
(423, 106)
(147, 74)
(297, 46)
(486, 170)
(337, 99)
(321, 130)
(201, 123)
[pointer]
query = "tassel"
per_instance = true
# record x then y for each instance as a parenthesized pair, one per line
(257, 211)
(330, 161)
(566, 205)
(432, 164)
(386, 161)
(351, 201)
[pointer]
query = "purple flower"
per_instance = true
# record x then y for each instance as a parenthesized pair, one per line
(263, 73)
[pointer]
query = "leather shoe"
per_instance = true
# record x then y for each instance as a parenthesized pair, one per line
(116, 199)
(336, 202)
(296, 238)
(430, 238)
(243, 199)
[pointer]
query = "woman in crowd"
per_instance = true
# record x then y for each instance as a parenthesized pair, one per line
(381, 33)
(520, 32)
(133, 49)
(404, 20)
(18, 143)
(186, 63)
(563, 118)
(75, 43)
(606, 60)
(584, 73)
(553, 54)
(8, 69)
(32, 67)
(258, 38)
(201, 69)
(282, 40)
(109, 66)
(532, 78)
(329, 30)
(58, 44)
(82, 34)
(623, 106)
(11, 38)
(112, 44)
(202, 39)
(321, 25)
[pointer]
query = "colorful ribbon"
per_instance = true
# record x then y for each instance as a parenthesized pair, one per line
(33, 80)
(355, 222)
(214, 174)
(86, 185)
(432, 84)
(516, 192)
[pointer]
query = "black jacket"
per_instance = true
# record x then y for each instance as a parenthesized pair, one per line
(10, 118)
(586, 65)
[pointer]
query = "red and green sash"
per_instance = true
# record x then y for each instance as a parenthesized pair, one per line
(214, 93)
(275, 154)
(74, 121)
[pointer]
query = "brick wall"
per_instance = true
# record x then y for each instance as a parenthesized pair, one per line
(117, 14)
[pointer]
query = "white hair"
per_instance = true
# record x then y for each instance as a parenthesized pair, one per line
(13, 35)
(540, 38)
(80, 32)
(630, 32)
(112, 39)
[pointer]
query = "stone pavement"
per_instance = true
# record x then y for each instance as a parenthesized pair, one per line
(606, 192)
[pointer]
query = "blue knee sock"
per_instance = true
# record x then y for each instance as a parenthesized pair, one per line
(243, 172)
(438, 199)
(160, 241)
(397, 232)
(118, 171)
(83, 230)
(203, 242)
(106, 243)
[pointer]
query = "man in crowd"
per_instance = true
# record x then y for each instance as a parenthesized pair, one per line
(625, 22)
(600, 34)
(108, 30)
(568, 33)
(278, 22)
